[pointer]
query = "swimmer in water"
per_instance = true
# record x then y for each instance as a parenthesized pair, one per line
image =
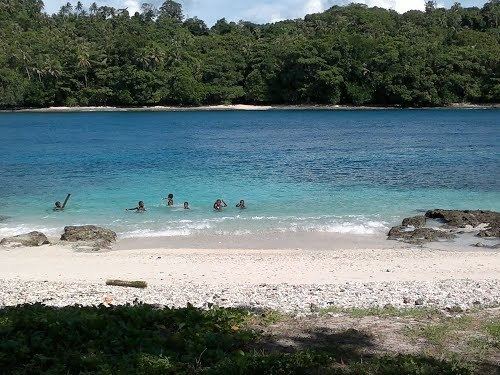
(186, 205)
(219, 204)
(140, 207)
(170, 200)
(60, 207)
(241, 205)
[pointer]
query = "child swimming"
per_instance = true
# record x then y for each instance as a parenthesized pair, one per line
(241, 205)
(60, 207)
(170, 200)
(219, 205)
(140, 207)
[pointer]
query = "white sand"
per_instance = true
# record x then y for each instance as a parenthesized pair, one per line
(223, 266)
(228, 107)
(291, 280)
(233, 107)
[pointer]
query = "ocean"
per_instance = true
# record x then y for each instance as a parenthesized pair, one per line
(333, 171)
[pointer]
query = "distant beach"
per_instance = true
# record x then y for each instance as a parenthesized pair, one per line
(238, 107)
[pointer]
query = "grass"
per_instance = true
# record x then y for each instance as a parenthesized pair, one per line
(266, 317)
(474, 338)
(141, 339)
(493, 329)
(389, 311)
(439, 334)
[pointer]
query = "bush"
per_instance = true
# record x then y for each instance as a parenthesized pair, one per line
(142, 339)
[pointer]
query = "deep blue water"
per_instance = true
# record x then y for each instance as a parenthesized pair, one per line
(335, 171)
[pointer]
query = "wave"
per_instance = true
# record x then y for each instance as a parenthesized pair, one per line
(25, 228)
(158, 233)
(348, 227)
(371, 227)
(227, 225)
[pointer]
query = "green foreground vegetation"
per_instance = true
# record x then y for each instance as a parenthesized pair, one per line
(346, 55)
(141, 339)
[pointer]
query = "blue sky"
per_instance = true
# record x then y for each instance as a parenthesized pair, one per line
(259, 10)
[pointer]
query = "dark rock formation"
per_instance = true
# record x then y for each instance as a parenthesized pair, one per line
(486, 246)
(27, 239)
(419, 235)
(460, 219)
(97, 237)
(415, 221)
(493, 232)
(413, 230)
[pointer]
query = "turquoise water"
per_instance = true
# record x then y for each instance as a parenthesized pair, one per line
(327, 171)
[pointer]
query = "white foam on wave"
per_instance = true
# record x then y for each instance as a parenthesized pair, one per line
(265, 218)
(14, 230)
(345, 228)
(156, 233)
(370, 227)
(184, 230)
(230, 225)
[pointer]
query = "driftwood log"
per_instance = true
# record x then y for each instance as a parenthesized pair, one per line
(129, 284)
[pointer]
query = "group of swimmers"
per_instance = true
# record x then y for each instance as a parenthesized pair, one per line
(219, 204)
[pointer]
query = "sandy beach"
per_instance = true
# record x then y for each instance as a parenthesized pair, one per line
(231, 107)
(290, 279)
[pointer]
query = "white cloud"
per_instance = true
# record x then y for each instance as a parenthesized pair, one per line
(399, 6)
(314, 6)
(264, 13)
(132, 6)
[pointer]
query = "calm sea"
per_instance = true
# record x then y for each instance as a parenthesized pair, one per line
(327, 171)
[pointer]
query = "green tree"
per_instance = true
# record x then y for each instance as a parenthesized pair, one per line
(171, 9)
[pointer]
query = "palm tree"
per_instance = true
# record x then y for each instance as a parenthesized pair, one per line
(83, 60)
(93, 9)
(25, 58)
(79, 7)
(66, 9)
(51, 68)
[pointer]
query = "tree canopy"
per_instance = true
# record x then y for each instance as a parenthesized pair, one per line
(346, 55)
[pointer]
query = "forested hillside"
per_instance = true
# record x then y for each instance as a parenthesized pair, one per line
(346, 55)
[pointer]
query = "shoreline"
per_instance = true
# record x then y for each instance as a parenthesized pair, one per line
(235, 107)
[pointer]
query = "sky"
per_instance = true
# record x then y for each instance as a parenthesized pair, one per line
(259, 11)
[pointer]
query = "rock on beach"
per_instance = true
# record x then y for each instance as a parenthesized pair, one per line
(95, 236)
(471, 218)
(419, 235)
(27, 239)
(415, 221)
(413, 229)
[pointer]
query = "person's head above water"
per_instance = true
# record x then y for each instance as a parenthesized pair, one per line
(140, 207)
(170, 199)
(219, 204)
(186, 205)
(241, 204)
(58, 204)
